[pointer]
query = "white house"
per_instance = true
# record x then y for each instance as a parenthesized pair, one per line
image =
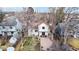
(41, 30)
(10, 26)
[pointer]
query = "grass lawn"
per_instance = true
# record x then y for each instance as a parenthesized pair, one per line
(30, 44)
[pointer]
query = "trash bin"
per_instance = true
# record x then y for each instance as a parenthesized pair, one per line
(10, 49)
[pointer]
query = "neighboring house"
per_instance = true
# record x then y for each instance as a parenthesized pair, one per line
(62, 27)
(41, 30)
(10, 26)
(71, 28)
(76, 34)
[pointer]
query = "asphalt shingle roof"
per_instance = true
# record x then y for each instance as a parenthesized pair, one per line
(9, 22)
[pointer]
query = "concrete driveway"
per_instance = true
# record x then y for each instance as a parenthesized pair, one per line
(45, 43)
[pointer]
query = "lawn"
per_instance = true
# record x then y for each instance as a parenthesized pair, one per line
(30, 44)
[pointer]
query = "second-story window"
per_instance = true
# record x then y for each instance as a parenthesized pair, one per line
(43, 27)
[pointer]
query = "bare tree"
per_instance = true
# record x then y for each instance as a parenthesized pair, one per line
(58, 12)
(28, 14)
(63, 13)
(70, 12)
(30, 10)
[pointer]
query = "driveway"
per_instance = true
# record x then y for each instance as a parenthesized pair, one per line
(45, 43)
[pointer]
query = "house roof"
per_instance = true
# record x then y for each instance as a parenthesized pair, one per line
(35, 25)
(9, 22)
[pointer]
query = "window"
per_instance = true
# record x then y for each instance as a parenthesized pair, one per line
(5, 33)
(36, 30)
(43, 27)
(12, 32)
(48, 49)
(0, 34)
(43, 33)
(41, 46)
(3, 27)
(10, 27)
